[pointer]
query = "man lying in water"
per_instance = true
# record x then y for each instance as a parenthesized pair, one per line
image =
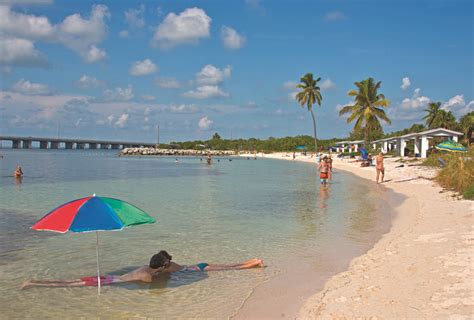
(160, 262)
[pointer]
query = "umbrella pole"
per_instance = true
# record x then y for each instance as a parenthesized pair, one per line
(98, 270)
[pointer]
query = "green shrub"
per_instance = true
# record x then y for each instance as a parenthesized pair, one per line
(469, 193)
(458, 174)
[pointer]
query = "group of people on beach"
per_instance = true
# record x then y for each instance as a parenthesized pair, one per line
(325, 167)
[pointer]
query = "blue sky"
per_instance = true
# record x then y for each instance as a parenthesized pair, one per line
(117, 69)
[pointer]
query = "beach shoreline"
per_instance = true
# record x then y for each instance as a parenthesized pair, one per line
(421, 268)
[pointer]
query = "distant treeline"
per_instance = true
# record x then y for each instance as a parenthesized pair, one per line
(259, 145)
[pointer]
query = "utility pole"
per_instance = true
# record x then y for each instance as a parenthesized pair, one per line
(158, 136)
(59, 127)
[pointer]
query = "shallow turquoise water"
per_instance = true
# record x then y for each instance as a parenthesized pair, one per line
(228, 212)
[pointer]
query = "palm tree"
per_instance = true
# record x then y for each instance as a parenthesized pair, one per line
(445, 119)
(368, 107)
(467, 125)
(433, 112)
(309, 95)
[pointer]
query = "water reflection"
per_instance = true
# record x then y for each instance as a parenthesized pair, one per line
(15, 235)
(323, 196)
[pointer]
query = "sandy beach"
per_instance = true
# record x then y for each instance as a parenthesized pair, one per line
(421, 269)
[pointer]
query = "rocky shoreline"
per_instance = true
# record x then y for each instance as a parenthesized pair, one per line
(174, 152)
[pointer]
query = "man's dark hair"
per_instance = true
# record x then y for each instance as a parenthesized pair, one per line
(158, 261)
(166, 254)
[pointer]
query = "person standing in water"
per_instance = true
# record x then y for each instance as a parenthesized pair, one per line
(18, 173)
(324, 170)
(209, 159)
(379, 167)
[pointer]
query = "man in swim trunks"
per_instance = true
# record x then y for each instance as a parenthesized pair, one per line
(160, 262)
(379, 166)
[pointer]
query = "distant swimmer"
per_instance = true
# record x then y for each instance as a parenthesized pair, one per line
(160, 262)
(230, 160)
(177, 161)
(209, 160)
(18, 173)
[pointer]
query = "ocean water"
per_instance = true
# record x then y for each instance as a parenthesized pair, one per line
(228, 212)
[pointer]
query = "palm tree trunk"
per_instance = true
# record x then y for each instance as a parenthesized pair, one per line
(315, 136)
(366, 137)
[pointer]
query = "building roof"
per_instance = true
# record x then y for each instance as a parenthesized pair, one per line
(438, 132)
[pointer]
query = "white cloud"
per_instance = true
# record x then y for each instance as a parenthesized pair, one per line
(454, 102)
(205, 123)
(94, 54)
(189, 26)
(183, 108)
(292, 95)
(334, 16)
(123, 34)
(142, 68)
(122, 121)
(30, 88)
(210, 75)
(256, 5)
(458, 106)
(206, 92)
(135, 17)
(416, 93)
(25, 2)
(82, 35)
(25, 25)
(405, 83)
(86, 81)
(231, 38)
(328, 85)
(19, 31)
(415, 102)
(20, 52)
(250, 105)
(119, 94)
(290, 85)
(147, 97)
(168, 83)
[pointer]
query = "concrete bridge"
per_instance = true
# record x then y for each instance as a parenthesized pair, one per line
(63, 143)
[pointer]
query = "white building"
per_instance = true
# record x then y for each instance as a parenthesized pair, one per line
(421, 141)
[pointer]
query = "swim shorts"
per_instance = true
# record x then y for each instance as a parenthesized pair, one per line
(92, 281)
(202, 266)
(323, 175)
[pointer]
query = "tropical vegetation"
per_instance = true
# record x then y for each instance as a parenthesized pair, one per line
(368, 108)
(309, 95)
(271, 144)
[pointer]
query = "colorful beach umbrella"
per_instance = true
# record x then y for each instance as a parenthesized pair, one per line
(450, 145)
(93, 214)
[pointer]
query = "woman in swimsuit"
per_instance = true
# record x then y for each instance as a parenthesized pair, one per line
(324, 170)
(160, 262)
(379, 166)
